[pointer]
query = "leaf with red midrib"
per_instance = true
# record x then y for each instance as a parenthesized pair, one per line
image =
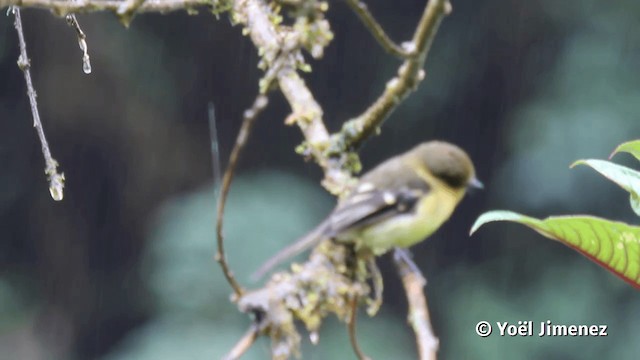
(611, 244)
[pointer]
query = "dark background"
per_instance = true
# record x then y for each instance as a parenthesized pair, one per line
(123, 267)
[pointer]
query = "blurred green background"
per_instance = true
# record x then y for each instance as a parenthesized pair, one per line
(123, 268)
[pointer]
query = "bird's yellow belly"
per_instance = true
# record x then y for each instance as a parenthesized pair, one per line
(408, 229)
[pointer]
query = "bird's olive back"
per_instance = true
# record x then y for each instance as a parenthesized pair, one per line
(447, 162)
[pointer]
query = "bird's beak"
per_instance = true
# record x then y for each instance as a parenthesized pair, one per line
(474, 183)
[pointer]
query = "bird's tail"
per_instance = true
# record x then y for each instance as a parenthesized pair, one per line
(306, 242)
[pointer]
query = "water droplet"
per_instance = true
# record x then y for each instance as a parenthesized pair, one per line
(314, 337)
(86, 65)
(56, 182)
(56, 192)
(408, 46)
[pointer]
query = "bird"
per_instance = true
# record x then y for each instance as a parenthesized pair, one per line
(400, 202)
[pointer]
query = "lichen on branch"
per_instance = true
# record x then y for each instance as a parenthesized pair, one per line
(279, 47)
(327, 283)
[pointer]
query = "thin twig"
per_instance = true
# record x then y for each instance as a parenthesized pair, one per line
(215, 149)
(355, 131)
(418, 315)
(249, 118)
(56, 181)
(376, 30)
(243, 344)
(351, 325)
(82, 42)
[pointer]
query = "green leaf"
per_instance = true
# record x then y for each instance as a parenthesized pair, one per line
(626, 178)
(613, 245)
(631, 147)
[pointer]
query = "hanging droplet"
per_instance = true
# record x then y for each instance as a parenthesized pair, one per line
(56, 184)
(86, 65)
(56, 193)
(314, 337)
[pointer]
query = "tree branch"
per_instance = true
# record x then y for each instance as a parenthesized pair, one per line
(410, 74)
(128, 9)
(280, 49)
(418, 316)
(376, 30)
(64, 7)
(243, 344)
(56, 181)
(324, 284)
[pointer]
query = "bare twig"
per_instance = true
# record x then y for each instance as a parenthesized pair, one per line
(418, 316)
(215, 149)
(243, 344)
(250, 116)
(376, 30)
(82, 42)
(56, 181)
(351, 325)
(355, 131)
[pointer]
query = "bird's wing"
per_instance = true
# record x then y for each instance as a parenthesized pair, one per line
(365, 208)
(379, 195)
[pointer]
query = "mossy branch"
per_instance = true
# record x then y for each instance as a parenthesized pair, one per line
(280, 48)
(64, 7)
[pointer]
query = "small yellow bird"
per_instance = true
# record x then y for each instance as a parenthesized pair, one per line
(399, 203)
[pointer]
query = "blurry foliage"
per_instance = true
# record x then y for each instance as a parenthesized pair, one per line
(13, 305)
(585, 104)
(565, 292)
